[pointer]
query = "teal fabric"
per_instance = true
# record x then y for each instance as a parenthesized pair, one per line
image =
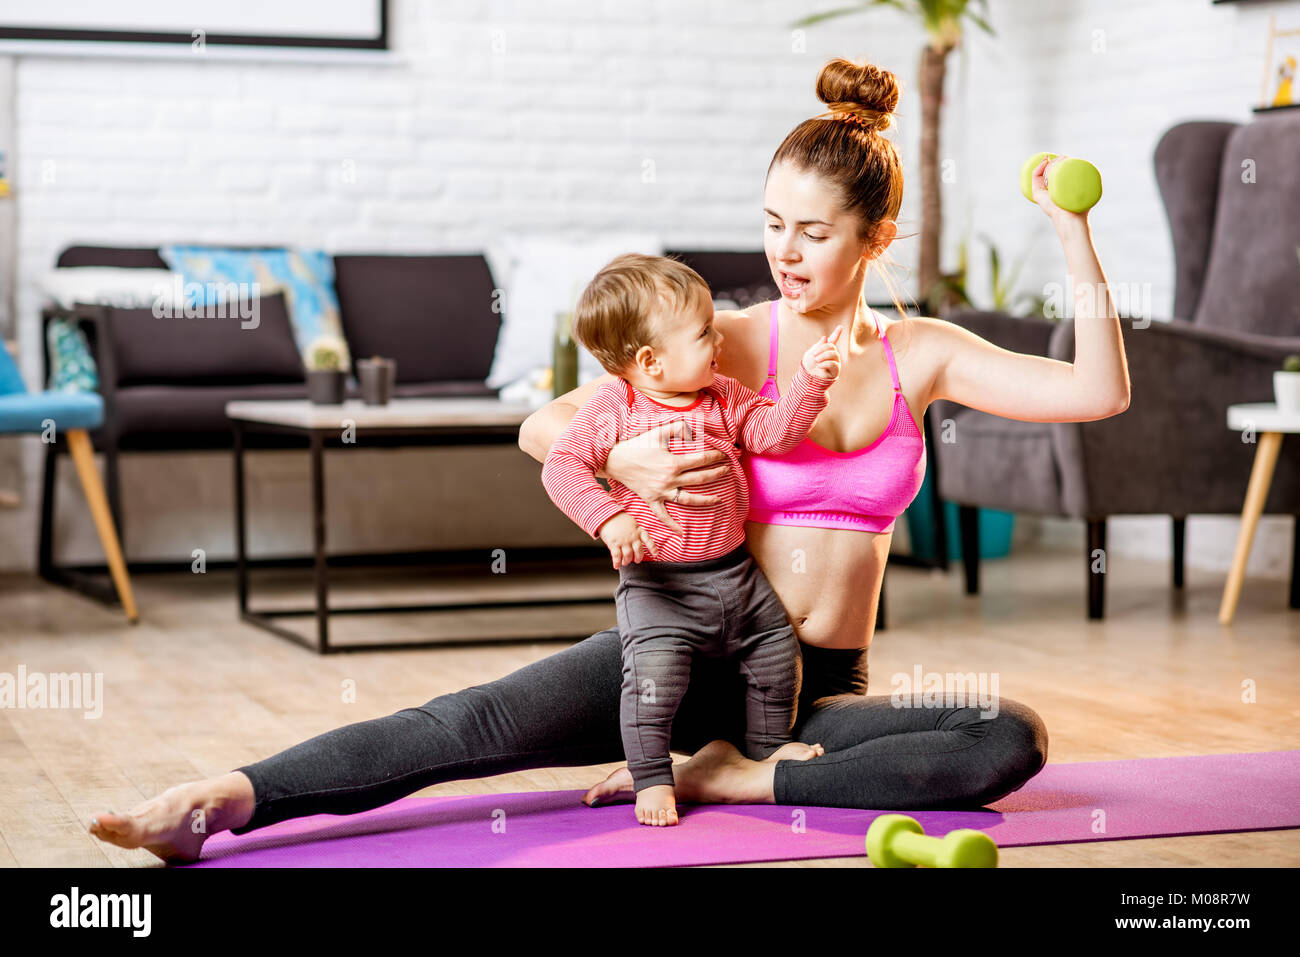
(72, 367)
(69, 410)
(306, 276)
(10, 381)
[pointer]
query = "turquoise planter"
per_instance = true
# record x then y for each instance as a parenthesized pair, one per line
(995, 528)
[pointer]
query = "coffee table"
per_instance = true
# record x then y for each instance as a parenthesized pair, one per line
(437, 421)
(1270, 423)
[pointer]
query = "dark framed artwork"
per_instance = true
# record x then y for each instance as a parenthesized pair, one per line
(338, 24)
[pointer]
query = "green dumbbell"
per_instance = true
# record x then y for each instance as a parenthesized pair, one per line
(1073, 184)
(896, 840)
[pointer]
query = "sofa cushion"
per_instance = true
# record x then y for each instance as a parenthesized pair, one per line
(740, 277)
(1252, 280)
(432, 314)
(171, 417)
(305, 276)
(206, 346)
(72, 365)
(540, 277)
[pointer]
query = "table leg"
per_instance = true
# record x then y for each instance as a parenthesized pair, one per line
(241, 566)
(318, 542)
(1261, 477)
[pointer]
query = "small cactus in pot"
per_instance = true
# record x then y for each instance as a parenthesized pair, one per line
(1286, 384)
(327, 371)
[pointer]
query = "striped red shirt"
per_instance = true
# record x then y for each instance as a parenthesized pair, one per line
(723, 413)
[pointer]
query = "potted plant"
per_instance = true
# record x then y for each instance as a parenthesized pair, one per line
(950, 291)
(942, 21)
(1286, 384)
(326, 371)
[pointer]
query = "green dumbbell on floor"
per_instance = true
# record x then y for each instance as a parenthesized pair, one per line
(896, 840)
(1073, 184)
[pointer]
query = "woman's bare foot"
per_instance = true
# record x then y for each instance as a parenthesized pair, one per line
(617, 785)
(795, 751)
(655, 806)
(716, 774)
(174, 825)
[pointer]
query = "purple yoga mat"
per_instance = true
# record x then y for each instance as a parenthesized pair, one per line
(1063, 804)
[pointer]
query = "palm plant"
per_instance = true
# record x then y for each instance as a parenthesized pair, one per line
(950, 289)
(942, 21)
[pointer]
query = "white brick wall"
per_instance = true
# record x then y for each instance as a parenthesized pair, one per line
(517, 115)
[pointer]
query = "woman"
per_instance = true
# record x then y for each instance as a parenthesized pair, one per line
(820, 525)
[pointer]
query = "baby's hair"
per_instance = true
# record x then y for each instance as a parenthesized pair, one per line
(615, 315)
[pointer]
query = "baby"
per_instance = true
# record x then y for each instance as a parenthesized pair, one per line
(695, 589)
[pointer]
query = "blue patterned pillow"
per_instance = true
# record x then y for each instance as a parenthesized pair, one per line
(305, 276)
(72, 367)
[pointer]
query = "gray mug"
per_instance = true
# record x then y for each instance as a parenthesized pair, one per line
(377, 376)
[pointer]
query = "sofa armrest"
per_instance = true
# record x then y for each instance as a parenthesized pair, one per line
(1030, 335)
(1230, 343)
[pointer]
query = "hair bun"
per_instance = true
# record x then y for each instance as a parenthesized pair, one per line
(863, 91)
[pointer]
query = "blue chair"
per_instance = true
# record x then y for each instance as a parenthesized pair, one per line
(72, 414)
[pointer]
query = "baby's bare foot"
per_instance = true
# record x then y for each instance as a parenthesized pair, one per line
(655, 806)
(795, 751)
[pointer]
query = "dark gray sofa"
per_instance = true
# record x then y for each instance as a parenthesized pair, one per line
(166, 388)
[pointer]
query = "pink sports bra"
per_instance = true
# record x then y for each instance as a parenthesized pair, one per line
(812, 485)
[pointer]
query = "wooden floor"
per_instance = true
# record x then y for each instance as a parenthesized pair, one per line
(191, 692)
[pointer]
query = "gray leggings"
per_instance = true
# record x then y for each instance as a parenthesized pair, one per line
(563, 711)
(671, 612)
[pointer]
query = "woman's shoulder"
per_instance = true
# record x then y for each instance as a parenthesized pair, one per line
(749, 324)
(752, 313)
(902, 330)
(745, 343)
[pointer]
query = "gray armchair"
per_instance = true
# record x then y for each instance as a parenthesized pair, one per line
(1232, 195)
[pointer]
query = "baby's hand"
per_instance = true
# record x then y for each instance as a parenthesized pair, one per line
(823, 359)
(626, 539)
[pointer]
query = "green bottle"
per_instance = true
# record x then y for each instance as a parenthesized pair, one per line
(564, 362)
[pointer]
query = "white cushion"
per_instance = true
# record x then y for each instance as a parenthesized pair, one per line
(108, 285)
(540, 276)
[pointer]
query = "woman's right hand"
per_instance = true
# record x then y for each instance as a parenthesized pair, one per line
(645, 465)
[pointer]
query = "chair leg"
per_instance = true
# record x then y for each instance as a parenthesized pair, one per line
(880, 607)
(1180, 528)
(84, 457)
(45, 550)
(968, 517)
(1096, 579)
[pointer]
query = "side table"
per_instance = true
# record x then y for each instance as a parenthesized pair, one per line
(1270, 423)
